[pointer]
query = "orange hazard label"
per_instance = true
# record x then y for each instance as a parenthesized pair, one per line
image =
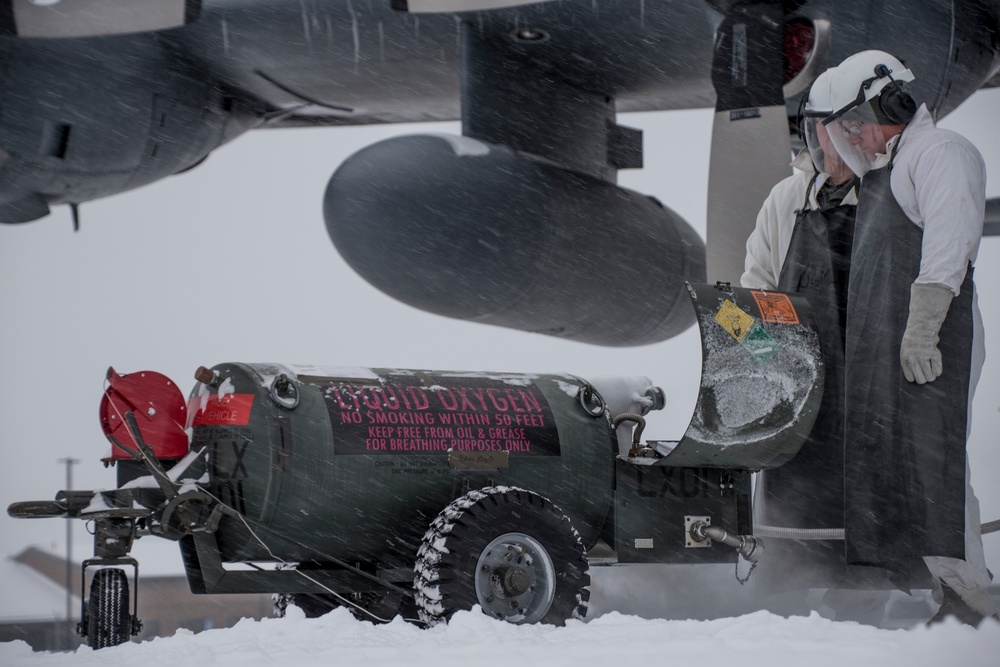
(775, 307)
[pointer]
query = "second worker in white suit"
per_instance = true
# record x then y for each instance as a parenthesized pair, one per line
(802, 244)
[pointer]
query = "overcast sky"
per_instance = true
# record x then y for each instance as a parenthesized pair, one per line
(231, 262)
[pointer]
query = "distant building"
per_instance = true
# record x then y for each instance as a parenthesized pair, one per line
(34, 603)
(34, 606)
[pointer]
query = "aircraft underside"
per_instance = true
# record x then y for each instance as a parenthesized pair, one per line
(517, 223)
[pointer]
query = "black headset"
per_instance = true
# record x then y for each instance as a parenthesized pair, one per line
(896, 104)
(800, 116)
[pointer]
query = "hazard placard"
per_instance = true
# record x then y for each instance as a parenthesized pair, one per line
(775, 307)
(734, 320)
(760, 344)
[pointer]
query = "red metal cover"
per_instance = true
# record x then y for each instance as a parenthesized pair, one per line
(159, 409)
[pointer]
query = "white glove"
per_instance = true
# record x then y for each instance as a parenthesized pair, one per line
(918, 353)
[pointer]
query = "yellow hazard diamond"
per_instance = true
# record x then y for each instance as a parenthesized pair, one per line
(734, 320)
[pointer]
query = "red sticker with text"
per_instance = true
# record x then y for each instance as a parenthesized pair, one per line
(230, 410)
(775, 307)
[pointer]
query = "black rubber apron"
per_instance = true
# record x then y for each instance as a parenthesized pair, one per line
(808, 491)
(905, 442)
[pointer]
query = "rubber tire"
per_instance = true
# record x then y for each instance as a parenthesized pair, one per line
(36, 509)
(108, 619)
(445, 571)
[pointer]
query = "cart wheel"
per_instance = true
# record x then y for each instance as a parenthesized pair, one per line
(510, 551)
(108, 622)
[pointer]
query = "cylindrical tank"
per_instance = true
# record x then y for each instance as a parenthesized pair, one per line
(354, 463)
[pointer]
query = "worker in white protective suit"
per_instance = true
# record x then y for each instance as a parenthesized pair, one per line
(821, 181)
(802, 244)
(913, 342)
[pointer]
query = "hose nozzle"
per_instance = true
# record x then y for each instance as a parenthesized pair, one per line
(748, 546)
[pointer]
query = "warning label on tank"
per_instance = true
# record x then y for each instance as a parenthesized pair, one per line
(454, 415)
(775, 308)
(228, 409)
(734, 320)
(760, 344)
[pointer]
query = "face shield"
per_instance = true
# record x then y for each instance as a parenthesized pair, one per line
(857, 137)
(824, 154)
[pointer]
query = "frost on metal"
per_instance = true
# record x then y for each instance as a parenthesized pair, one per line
(761, 381)
(226, 388)
(568, 388)
(738, 398)
(512, 379)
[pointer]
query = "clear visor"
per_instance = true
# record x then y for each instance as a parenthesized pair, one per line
(824, 154)
(857, 137)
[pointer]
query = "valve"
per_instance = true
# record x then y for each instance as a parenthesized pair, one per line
(701, 533)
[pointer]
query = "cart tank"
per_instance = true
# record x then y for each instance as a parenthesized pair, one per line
(353, 463)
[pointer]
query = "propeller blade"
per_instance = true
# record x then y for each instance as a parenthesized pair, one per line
(751, 148)
(992, 225)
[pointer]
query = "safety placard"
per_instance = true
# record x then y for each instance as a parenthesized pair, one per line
(775, 308)
(760, 344)
(224, 409)
(734, 320)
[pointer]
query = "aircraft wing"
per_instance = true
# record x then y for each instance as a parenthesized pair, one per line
(518, 222)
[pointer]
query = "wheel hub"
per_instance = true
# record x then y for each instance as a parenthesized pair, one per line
(515, 579)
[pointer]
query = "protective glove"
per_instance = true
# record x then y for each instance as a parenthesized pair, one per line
(918, 353)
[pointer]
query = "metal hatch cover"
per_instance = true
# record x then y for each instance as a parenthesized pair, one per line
(761, 379)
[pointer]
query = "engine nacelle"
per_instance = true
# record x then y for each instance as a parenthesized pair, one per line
(57, 145)
(480, 232)
(53, 19)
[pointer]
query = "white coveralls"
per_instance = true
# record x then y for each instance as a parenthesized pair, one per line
(939, 181)
(768, 243)
(767, 249)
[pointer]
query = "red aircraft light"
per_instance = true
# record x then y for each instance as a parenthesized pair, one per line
(800, 38)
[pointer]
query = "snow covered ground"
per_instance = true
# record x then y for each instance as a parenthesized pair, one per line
(638, 615)
(471, 638)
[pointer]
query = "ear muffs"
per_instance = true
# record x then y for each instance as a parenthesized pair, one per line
(897, 105)
(800, 117)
